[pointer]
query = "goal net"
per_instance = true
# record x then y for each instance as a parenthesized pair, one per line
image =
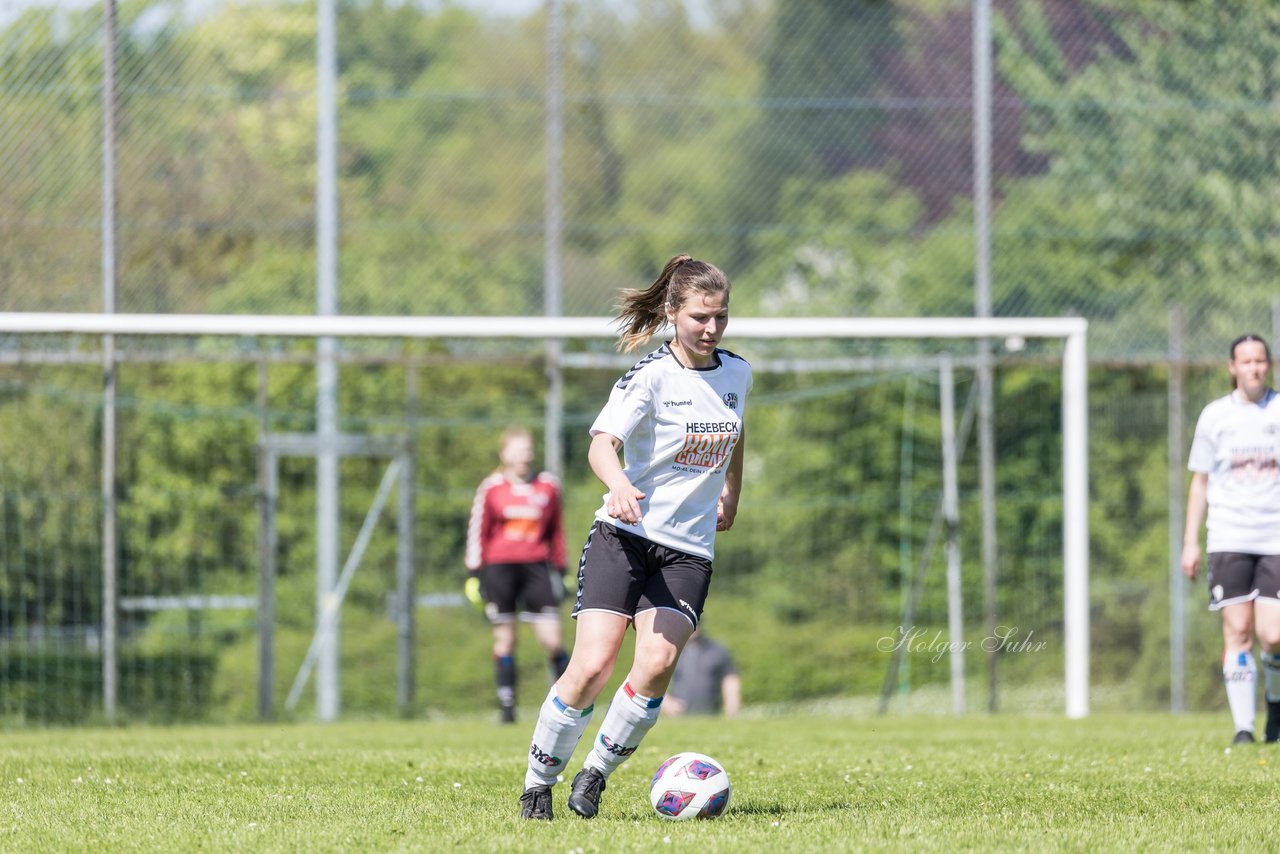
(163, 553)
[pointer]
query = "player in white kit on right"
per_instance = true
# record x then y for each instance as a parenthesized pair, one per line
(1235, 461)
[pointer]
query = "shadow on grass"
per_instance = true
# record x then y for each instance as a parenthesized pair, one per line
(750, 807)
(770, 808)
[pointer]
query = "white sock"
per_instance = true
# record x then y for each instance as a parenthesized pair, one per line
(1240, 676)
(630, 716)
(1271, 675)
(555, 736)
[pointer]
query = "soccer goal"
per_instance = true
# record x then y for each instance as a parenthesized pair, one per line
(258, 396)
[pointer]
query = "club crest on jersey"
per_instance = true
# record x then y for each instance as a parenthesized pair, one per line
(731, 400)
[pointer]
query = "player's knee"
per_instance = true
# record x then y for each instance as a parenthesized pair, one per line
(655, 665)
(588, 670)
(1237, 636)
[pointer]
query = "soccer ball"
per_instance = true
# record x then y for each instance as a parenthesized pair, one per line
(690, 785)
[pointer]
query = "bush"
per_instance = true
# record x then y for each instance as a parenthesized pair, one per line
(66, 688)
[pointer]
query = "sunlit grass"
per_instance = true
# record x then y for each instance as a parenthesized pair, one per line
(801, 783)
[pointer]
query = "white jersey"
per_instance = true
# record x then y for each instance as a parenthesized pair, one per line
(1237, 443)
(679, 427)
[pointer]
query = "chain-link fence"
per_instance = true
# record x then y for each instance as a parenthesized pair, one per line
(822, 153)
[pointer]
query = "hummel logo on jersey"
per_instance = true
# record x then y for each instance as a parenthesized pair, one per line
(731, 400)
(670, 403)
(615, 748)
(542, 756)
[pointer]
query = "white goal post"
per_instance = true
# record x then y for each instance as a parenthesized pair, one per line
(1072, 330)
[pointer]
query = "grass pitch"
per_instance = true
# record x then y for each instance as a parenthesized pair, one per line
(801, 783)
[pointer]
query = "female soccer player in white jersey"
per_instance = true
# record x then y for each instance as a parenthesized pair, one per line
(1235, 461)
(677, 417)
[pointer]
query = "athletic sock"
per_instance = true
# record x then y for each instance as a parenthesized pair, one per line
(1271, 675)
(630, 716)
(558, 661)
(504, 673)
(555, 736)
(1240, 676)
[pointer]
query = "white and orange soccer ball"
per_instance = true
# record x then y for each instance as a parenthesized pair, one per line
(690, 785)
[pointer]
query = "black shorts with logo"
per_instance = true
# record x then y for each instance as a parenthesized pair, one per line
(625, 574)
(1235, 577)
(505, 586)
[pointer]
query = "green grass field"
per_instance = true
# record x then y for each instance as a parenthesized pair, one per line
(801, 783)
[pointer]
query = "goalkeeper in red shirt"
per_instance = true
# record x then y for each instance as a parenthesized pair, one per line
(515, 560)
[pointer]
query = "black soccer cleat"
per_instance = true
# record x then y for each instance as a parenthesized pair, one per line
(535, 803)
(1244, 736)
(585, 797)
(507, 714)
(1273, 721)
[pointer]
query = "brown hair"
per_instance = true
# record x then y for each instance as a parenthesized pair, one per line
(642, 312)
(1243, 339)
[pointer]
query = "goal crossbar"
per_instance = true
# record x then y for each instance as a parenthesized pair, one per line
(1072, 330)
(359, 326)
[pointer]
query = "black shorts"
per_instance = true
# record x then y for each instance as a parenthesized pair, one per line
(1235, 577)
(505, 586)
(625, 574)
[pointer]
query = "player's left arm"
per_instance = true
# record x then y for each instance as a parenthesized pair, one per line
(727, 507)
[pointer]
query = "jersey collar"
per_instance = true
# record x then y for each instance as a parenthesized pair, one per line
(666, 345)
(1238, 397)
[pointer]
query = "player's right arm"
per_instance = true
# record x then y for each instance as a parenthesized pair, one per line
(477, 535)
(478, 528)
(624, 499)
(1197, 504)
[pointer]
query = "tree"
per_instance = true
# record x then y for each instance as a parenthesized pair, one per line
(1165, 148)
(820, 102)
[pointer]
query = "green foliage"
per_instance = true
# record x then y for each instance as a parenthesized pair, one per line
(844, 256)
(819, 75)
(66, 688)
(1158, 166)
(843, 478)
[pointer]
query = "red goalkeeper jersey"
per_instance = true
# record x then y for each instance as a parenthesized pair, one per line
(516, 523)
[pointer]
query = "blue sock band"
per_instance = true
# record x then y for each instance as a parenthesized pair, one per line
(570, 710)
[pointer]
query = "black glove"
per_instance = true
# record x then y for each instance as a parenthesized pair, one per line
(557, 583)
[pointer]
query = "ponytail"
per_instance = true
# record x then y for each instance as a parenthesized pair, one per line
(642, 312)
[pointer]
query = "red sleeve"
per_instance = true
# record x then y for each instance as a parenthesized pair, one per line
(478, 528)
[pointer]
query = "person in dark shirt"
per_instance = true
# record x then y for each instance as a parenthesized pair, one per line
(706, 681)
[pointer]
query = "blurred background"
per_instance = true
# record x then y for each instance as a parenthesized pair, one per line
(530, 158)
